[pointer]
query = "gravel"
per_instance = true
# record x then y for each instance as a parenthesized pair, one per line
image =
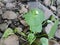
(9, 15)
(1, 4)
(3, 26)
(8, 1)
(10, 5)
(23, 9)
(24, 23)
(53, 42)
(11, 40)
(53, 8)
(48, 28)
(57, 34)
(1, 11)
(1, 34)
(58, 2)
(47, 2)
(58, 11)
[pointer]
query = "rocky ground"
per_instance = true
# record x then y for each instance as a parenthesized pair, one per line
(11, 16)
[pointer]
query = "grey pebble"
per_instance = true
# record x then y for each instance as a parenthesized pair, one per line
(9, 15)
(47, 2)
(23, 22)
(3, 26)
(1, 34)
(10, 5)
(58, 11)
(53, 42)
(1, 4)
(53, 8)
(48, 27)
(58, 2)
(7, 1)
(57, 34)
(23, 9)
(1, 12)
(11, 40)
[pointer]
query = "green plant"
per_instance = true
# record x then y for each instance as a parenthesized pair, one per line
(43, 41)
(34, 18)
(31, 38)
(8, 32)
(53, 28)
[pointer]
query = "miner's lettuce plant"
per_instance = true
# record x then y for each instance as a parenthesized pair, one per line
(34, 18)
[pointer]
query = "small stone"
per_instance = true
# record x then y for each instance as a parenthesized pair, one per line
(47, 2)
(1, 11)
(11, 40)
(0, 34)
(3, 26)
(1, 4)
(58, 11)
(1, 21)
(59, 25)
(57, 34)
(9, 15)
(0, 0)
(10, 5)
(1, 41)
(24, 0)
(48, 28)
(53, 42)
(24, 23)
(58, 2)
(9, 22)
(53, 8)
(8, 1)
(23, 9)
